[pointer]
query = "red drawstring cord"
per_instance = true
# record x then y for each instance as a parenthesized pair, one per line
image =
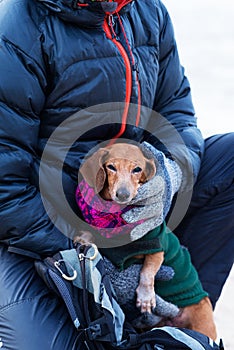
(112, 35)
(109, 30)
(125, 113)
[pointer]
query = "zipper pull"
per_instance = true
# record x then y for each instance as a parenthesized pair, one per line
(81, 256)
(135, 68)
(111, 23)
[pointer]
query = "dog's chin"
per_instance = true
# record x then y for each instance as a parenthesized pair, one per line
(121, 202)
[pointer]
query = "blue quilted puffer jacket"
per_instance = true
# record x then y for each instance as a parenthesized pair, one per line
(61, 57)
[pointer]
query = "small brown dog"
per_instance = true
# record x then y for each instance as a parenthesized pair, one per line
(116, 172)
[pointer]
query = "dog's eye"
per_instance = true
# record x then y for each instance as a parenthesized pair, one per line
(136, 170)
(111, 167)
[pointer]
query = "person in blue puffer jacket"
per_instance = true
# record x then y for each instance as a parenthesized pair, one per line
(79, 74)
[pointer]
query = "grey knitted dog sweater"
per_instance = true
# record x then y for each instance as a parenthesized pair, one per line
(125, 283)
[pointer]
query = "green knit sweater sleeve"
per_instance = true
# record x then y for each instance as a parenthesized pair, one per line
(185, 287)
(124, 256)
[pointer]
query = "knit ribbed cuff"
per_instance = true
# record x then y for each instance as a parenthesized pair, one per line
(175, 174)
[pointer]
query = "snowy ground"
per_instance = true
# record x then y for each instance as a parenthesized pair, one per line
(205, 37)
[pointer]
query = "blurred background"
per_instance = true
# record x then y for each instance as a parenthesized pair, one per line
(204, 31)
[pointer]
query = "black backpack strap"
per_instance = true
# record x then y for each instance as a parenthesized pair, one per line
(178, 338)
(66, 296)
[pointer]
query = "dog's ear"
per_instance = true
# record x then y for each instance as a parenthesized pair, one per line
(149, 171)
(93, 171)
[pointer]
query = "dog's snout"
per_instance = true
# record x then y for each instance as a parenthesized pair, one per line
(122, 194)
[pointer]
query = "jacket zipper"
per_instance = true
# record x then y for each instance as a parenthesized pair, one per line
(136, 70)
(110, 33)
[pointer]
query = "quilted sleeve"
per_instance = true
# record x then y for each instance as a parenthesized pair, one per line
(24, 221)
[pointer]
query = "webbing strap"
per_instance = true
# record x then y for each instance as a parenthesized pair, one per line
(64, 292)
(184, 338)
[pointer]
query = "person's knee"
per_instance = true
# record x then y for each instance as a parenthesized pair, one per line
(217, 168)
(37, 323)
(218, 145)
(31, 317)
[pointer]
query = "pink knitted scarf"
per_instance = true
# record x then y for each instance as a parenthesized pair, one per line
(103, 215)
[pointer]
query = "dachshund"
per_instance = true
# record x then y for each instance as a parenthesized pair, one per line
(116, 172)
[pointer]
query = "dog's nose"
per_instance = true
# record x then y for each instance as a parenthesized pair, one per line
(122, 194)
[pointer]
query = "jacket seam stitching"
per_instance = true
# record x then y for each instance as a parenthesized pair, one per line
(18, 49)
(19, 302)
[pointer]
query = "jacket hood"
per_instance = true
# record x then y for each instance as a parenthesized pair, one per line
(86, 13)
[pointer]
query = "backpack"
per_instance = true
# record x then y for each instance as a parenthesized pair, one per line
(79, 277)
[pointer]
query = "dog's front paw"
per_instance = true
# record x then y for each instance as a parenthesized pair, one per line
(145, 300)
